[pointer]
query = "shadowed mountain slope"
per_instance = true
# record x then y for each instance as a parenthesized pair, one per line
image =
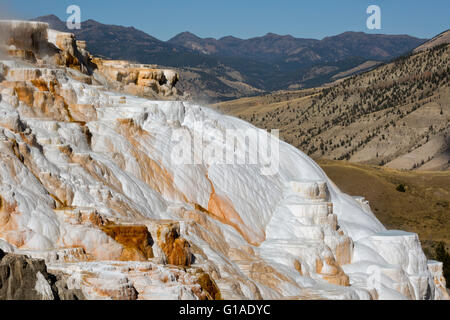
(229, 67)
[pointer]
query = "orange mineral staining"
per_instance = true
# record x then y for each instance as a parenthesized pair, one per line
(135, 239)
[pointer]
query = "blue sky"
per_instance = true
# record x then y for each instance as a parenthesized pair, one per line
(248, 18)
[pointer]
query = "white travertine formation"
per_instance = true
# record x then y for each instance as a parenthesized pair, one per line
(137, 79)
(85, 172)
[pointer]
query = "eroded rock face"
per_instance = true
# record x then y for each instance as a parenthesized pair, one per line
(132, 280)
(136, 241)
(88, 185)
(435, 268)
(35, 43)
(176, 249)
(24, 278)
(138, 79)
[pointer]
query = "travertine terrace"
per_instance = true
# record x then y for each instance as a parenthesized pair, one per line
(87, 184)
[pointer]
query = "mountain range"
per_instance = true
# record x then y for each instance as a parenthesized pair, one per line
(277, 48)
(229, 67)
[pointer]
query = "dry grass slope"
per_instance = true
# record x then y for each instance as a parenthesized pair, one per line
(396, 115)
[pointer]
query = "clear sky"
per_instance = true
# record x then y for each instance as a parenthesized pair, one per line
(164, 19)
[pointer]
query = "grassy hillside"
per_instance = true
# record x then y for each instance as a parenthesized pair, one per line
(396, 115)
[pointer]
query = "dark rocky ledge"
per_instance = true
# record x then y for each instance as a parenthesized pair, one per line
(25, 278)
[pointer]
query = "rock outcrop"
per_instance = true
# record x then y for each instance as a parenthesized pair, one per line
(24, 278)
(35, 43)
(138, 79)
(135, 239)
(176, 249)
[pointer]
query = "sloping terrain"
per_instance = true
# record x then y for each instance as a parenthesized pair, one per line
(228, 68)
(92, 183)
(441, 38)
(395, 115)
(423, 205)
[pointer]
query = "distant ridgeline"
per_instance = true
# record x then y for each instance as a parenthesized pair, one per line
(229, 68)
